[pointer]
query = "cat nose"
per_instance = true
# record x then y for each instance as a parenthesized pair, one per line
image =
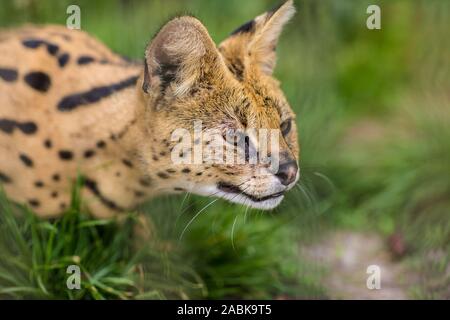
(287, 172)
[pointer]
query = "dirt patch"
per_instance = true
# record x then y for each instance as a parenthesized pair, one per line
(346, 256)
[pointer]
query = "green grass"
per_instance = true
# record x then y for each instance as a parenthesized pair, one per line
(220, 256)
(36, 254)
(373, 116)
(250, 255)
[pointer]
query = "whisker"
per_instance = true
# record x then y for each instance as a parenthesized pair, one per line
(246, 211)
(188, 194)
(205, 207)
(235, 197)
(232, 233)
(235, 219)
(194, 217)
(305, 194)
(326, 179)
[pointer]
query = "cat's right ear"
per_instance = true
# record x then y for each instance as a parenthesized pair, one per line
(254, 43)
(181, 55)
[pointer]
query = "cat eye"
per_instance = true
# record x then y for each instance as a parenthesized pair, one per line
(235, 138)
(286, 127)
(239, 139)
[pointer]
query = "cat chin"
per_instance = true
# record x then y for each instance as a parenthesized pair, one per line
(265, 203)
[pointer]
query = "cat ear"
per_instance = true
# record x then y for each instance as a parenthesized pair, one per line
(254, 43)
(180, 56)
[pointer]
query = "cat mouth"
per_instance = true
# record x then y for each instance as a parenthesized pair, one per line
(233, 189)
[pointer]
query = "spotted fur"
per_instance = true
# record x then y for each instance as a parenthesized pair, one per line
(69, 106)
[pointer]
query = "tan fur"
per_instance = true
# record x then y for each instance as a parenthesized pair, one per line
(136, 122)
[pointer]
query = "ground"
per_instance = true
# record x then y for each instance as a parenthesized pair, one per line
(346, 256)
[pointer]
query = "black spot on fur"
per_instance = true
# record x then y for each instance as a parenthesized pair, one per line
(34, 203)
(62, 206)
(4, 178)
(63, 59)
(85, 60)
(179, 189)
(52, 49)
(8, 75)
(139, 194)
(89, 153)
(73, 101)
(245, 28)
(163, 175)
(54, 194)
(38, 184)
(199, 173)
(186, 170)
(127, 163)
(32, 43)
(38, 80)
(8, 126)
(171, 170)
(28, 127)
(101, 144)
(268, 102)
(93, 187)
(48, 143)
(155, 158)
(125, 129)
(56, 177)
(194, 91)
(146, 182)
(65, 155)
(26, 160)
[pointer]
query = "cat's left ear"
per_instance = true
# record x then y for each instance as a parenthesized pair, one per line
(180, 56)
(254, 43)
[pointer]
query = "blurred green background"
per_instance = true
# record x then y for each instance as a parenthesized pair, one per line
(373, 110)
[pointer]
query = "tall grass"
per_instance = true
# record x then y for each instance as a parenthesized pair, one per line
(220, 257)
(36, 254)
